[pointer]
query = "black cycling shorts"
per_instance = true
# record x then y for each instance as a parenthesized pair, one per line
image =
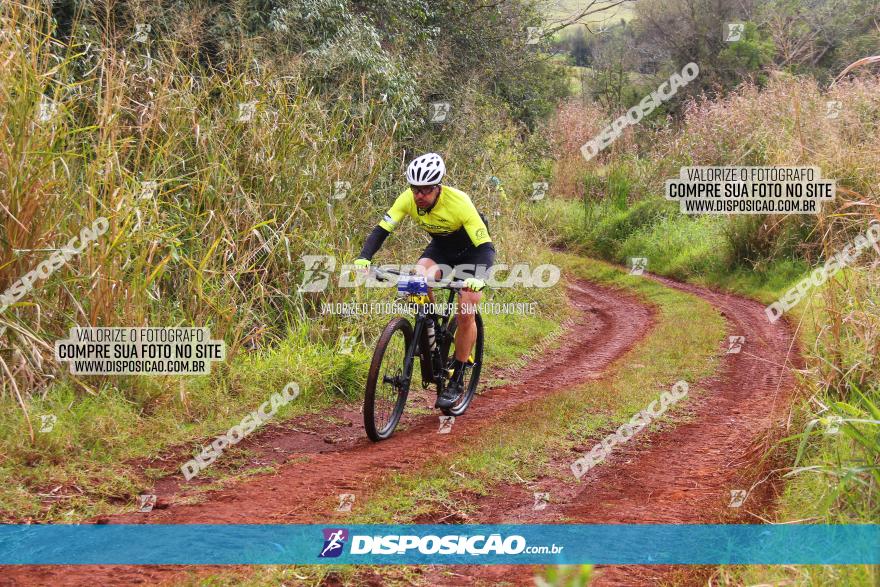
(442, 255)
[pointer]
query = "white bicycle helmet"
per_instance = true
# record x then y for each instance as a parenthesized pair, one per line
(428, 169)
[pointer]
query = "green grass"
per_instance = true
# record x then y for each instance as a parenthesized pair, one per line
(688, 249)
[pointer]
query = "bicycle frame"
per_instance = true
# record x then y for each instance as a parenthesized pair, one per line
(432, 371)
(420, 345)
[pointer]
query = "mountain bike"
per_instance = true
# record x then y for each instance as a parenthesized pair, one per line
(431, 340)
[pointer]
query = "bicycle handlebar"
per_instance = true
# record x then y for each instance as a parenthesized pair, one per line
(388, 274)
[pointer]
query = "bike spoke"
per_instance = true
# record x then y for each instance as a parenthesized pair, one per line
(388, 388)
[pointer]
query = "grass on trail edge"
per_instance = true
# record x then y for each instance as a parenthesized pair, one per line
(520, 446)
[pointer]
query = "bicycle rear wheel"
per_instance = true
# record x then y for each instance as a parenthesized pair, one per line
(388, 380)
(472, 378)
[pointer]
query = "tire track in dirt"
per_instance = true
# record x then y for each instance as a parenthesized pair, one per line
(608, 322)
(682, 474)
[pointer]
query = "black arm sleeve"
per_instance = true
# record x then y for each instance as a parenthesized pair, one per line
(485, 255)
(374, 242)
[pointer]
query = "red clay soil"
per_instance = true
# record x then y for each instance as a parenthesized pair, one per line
(682, 474)
(305, 488)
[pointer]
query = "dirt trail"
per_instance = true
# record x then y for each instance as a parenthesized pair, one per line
(683, 474)
(305, 488)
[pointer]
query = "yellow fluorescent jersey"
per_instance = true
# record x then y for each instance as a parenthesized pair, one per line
(452, 212)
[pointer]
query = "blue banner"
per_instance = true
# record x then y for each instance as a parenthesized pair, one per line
(205, 544)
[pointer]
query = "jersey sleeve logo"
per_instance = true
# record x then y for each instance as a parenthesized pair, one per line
(389, 220)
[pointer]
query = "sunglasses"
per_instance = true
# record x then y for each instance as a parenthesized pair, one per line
(422, 189)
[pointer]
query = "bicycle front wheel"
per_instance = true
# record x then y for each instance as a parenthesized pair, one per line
(388, 380)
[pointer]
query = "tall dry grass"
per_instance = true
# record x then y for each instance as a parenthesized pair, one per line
(210, 209)
(575, 123)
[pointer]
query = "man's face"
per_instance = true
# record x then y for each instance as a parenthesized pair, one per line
(425, 195)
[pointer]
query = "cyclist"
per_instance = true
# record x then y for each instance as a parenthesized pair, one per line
(459, 236)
